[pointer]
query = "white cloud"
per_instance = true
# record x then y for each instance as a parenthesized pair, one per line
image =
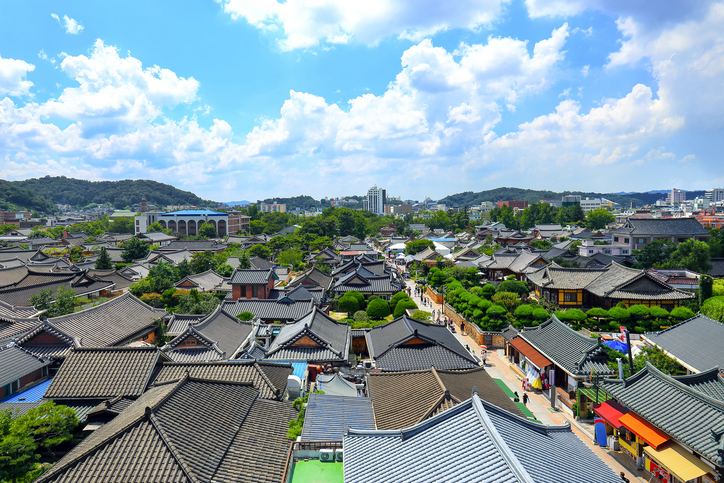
(584, 70)
(307, 23)
(12, 77)
(71, 25)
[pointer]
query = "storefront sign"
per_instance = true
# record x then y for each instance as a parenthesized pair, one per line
(659, 473)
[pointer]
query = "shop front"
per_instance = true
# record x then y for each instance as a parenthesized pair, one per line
(672, 463)
(532, 363)
(635, 433)
(610, 413)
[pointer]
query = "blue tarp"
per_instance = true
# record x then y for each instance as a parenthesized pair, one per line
(33, 394)
(617, 345)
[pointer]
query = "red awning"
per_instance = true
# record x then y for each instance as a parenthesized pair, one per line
(610, 411)
(528, 351)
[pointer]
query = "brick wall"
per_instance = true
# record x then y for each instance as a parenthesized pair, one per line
(434, 296)
(33, 376)
(236, 291)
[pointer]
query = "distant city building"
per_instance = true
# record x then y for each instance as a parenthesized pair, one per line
(376, 199)
(13, 217)
(146, 219)
(521, 205)
(590, 204)
(187, 222)
(571, 200)
(238, 223)
(557, 203)
(714, 195)
(675, 196)
(273, 208)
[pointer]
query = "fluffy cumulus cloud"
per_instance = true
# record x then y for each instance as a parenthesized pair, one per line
(305, 23)
(71, 25)
(12, 77)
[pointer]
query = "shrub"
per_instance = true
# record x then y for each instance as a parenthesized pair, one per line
(397, 297)
(404, 305)
(619, 314)
(488, 290)
(714, 308)
(245, 316)
(573, 315)
(658, 312)
(514, 286)
(361, 316)
(360, 298)
(153, 299)
(484, 304)
(378, 309)
(348, 303)
(541, 314)
(496, 311)
(509, 300)
(614, 326)
(524, 311)
(638, 311)
(682, 313)
(706, 287)
(597, 312)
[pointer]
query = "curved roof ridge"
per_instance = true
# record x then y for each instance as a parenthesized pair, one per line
(185, 467)
(683, 387)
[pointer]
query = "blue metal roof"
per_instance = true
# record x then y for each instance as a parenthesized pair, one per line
(33, 394)
(300, 367)
(196, 213)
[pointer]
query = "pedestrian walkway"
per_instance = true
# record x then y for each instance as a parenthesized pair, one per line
(498, 367)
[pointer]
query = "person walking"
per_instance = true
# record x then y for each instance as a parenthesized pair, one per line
(485, 358)
(525, 398)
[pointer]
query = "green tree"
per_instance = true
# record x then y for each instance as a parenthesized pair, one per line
(416, 246)
(654, 254)
(76, 253)
(257, 227)
(514, 286)
(244, 262)
(291, 257)
(706, 288)
(259, 250)
(164, 275)
(692, 255)
(245, 316)
(104, 261)
(224, 269)
(399, 296)
(348, 303)
(121, 225)
(60, 302)
(48, 424)
(508, 300)
(404, 305)
(154, 227)
(133, 249)
(203, 261)
(682, 313)
(599, 218)
(17, 456)
(714, 308)
(183, 269)
(378, 309)
(207, 230)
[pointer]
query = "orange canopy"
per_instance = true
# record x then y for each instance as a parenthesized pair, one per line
(529, 351)
(637, 425)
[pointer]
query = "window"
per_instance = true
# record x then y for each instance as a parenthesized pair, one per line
(624, 252)
(254, 291)
(641, 240)
(615, 238)
(569, 297)
(590, 251)
(625, 240)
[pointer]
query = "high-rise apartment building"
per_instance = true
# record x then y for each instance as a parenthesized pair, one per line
(676, 196)
(376, 199)
(714, 195)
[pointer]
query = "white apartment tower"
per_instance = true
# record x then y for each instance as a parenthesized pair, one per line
(714, 195)
(676, 196)
(376, 199)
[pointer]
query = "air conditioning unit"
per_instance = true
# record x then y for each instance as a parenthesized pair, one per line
(339, 455)
(326, 455)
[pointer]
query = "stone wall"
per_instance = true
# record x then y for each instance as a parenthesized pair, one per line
(434, 296)
(473, 331)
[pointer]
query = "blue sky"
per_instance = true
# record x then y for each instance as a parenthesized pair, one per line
(234, 99)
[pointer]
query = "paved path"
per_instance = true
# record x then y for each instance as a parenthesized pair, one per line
(499, 368)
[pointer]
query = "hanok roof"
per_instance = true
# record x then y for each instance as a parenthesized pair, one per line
(367, 283)
(259, 263)
(81, 283)
(9, 276)
(220, 334)
(270, 310)
(406, 344)
(663, 226)
(208, 281)
(426, 393)
(300, 292)
(12, 328)
(121, 281)
(614, 281)
(192, 430)
(312, 276)
(696, 343)
(193, 245)
(251, 276)
(178, 323)
(269, 378)
(16, 363)
(108, 324)
(314, 337)
(327, 417)
(92, 373)
(474, 441)
(660, 400)
(572, 351)
(13, 312)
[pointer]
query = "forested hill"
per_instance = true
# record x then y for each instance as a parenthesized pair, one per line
(469, 198)
(120, 194)
(14, 197)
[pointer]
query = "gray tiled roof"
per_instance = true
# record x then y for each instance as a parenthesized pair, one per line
(367, 283)
(20, 292)
(260, 263)
(270, 379)
(151, 441)
(327, 417)
(193, 245)
(717, 267)
(251, 276)
(109, 323)
(428, 392)
(270, 310)
(91, 373)
(441, 349)
(570, 350)
(697, 343)
(178, 323)
(688, 415)
(332, 339)
(312, 276)
(472, 442)
(300, 292)
(16, 363)
(709, 382)
(11, 328)
(663, 226)
(207, 281)
(9, 276)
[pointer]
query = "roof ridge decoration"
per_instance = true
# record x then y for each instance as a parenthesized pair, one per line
(46, 325)
(515, 466)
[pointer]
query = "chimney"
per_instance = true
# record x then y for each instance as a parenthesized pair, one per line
(620, 368)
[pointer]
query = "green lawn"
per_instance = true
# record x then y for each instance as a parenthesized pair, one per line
(527, 412)
(315, 471)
